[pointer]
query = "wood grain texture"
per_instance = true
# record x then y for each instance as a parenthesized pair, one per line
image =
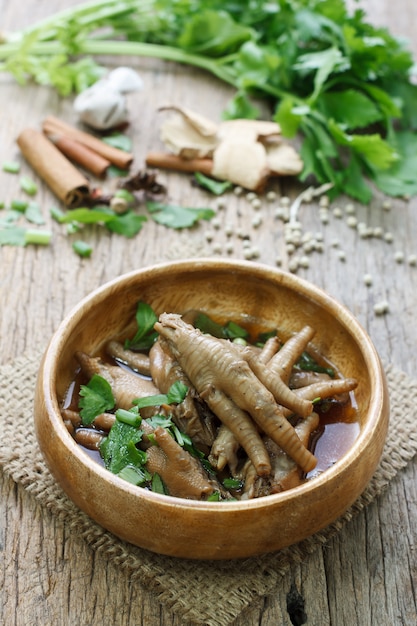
(367, 574)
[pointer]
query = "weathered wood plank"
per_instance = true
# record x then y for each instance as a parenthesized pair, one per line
(367, 574)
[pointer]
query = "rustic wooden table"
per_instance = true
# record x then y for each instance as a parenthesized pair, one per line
(367, 574)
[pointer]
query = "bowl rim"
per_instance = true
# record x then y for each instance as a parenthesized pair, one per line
(48, 370)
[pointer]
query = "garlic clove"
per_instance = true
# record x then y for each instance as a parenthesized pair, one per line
(101, 107)
(124, 80)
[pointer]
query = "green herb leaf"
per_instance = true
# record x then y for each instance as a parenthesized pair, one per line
(309, 364)
(157, 484)
(118, 449)
(12, 236)
(240, 107)
(351, 108)
(400, 179)
(234, 331)
(177, 217)
(214, 497)
(96, 398)
(204, 323)
(213, 33)
(134, 475)
(118, 140)
(175, 395)
(233, 483)
(128, 224)
(33, 214)
(216, 187)
(145, 335)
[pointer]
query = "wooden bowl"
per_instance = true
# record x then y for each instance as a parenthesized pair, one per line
(212, 530)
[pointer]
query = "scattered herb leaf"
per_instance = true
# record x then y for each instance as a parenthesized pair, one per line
(33, 214)
(118, 140)
(175, 216)
(216, 187)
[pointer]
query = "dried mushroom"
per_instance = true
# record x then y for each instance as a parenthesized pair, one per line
(241, 162)
(244, 152)
(283, 160)
(189, 134)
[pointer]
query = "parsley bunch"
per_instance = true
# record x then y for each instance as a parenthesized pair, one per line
(329, 76)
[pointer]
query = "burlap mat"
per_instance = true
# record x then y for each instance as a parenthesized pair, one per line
(209, 593)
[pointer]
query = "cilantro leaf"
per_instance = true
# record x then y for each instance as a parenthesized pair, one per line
(96, 398)
(33, 214)
(12, 236)
(217, 187)
(118, 140)
(175, 395)
(145, 335)
(350, 108)
(177, 217)
(400, 179)
(213, 33)
(127, 224)
(118, 449)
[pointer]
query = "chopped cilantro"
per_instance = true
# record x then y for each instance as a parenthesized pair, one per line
(119, 449)
(11, 167)
(158, 485)
(145, 335)
(96, 397)
(82, 248)
(175, 395)
(28, 186)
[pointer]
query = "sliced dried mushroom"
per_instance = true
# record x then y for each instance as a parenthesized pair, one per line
(201, 124)
(242, 162)
(189, 134)
(244, 152)
(283, 160)
(255, 130)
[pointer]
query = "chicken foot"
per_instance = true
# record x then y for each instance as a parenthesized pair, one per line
(180, 472)
(218, 371)
(126, 386)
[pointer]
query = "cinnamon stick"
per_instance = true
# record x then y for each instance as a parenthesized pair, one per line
(64, 180)
(173, 162)
(81, 154)
(54, 126)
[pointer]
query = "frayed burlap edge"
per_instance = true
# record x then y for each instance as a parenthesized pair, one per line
(212, 593)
